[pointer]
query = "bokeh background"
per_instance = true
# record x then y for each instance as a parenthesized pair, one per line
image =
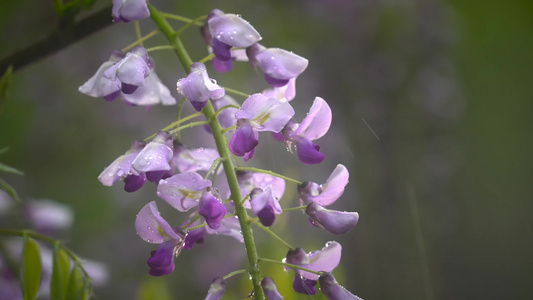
(432, 116)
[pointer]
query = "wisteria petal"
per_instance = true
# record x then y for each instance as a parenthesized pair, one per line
(222, 66)
(161, 261)
(153, 92)
(156, 155)
(324, 260)
(221, 50)
(229, 227)
(303, 285)
(263, 181)
(197, 87)
(233, 30)
(265, 206)
(216, 289)
(336, 222)
(182, 190)
(244, 140)
(266, 113)
(333, 188)
(287, 91)
(150, 226)
(121, 167)
(270, 289)
(307, 152)
(99, 86)
(317, 121)
(132, 69)
(193, 160)
(212, 210)
(133, 183)
(227, 116)
(281, 64)
(195, 236)
(332, 290)
(129, 10)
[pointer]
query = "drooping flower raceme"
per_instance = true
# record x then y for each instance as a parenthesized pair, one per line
(227, 31)
(317, 196)
(324, 260)
(129, 10)
(198, 88)
(312, 127)
(152, 228)
(258, 113)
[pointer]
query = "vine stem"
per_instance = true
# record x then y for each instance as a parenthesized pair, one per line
(223, 150)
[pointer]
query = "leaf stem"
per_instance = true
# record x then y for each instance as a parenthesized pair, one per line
(273, 234)
(288, 265)
(270, 173)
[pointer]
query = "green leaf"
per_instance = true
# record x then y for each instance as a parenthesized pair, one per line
(5, 84)
(76, 284)
(8, 169)
(30, 275)
(60, 273)
(9, 189)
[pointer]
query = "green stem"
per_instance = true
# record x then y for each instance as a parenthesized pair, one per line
(157, 48)
(236, 92)
(295, 208)
(184, 19)
(189, 125)
(223, 150)
(139, 41)
(229, 275)
(270, 173)
(288, 265)
(273, 234)
(192, 22)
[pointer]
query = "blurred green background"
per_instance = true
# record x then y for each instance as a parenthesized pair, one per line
(431, 102)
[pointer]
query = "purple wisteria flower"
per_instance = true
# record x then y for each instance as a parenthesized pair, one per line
(192, 160)
(258, 113)
(336, 222)
(99, 86)
(265, 205)
(312, 127)
(228, 227)
(129, 10)
(216, 289)
(152, 92)
(270, 289)
(120, 169)
(152, 228)
(226, 118)
(198, 88)
(324, 260)
(131, 70)
(332, 290)
(287, 91)
(249, 181)
(211, 209)
(154, 158)
(183, 191)
(279, 65)
(227, 31)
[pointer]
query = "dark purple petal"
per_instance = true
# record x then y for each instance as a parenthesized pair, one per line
(265, 206)
(332, 290)
(128, 88)
(212, 210)
(133, 183)
(276, 82)
(296, 256)
(155, 176)
(112, 96)
(278, 136)
(336, 222)
(270, 289)
(221, 50)
(307, 152)
(222, 66)
(195, 236)
(307, 190)
(161, 261)
(303, 285)
(249, 155)
(244, 140)
(216, 289)
(129, 10)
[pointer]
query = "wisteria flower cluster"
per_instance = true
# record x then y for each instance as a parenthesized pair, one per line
(185, 178)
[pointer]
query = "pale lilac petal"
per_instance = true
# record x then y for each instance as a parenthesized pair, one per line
(336, 222)
(129, 10)
(216, 289)
(227, 116)
(324, 260)
(232, 30)
(244, 140)
(265, 206)
(317, 121)
(287, 91)
(212, 210)
(263, 181)
(270, 289)
(265, 113)
(156, 155)
(150, 225)
(194, 160)
(99, 86)
(47, 215)
(307, 152)
(132, 69)
(222, 66)
(333, 188)
(182, 190)
(281, 64)
(229, 227)
(153, 92)
(197, 87)
(121, 167)
(332, 290)
(161, 261)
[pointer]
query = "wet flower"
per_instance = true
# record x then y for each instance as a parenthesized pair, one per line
(336, 222)
(198, 88)
(192, 160)
(227, 31)
(279, 65)
(152, 228)
(258, 113)
(120, 168)
(327, 193)
(211, 209)
(183, 191)
(312, 127)
(287, 91)
(156, 155)
(130, 70)
(269, 287)
(153, 92)
(228, 227)
(100, 86)
(265, 205)
(216, 289)
(129, 10)
(332, 290)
